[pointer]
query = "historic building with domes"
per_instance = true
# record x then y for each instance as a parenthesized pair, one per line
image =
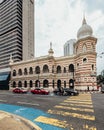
(77, 71)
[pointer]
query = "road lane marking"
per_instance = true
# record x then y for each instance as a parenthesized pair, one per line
(89, 127)
(81, 116)
(78, 102)
(28, 103)
(75, 109)
(52, 121)
(3, 100)
(81, 105)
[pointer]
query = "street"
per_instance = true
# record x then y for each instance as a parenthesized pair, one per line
(83, 112)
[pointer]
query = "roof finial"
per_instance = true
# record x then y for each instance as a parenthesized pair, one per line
(50, 45)
(84, 20)
(51, 50)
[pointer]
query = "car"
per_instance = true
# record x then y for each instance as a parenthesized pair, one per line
(102, 88)
(65, 92)
(19, 90)
(41, 91)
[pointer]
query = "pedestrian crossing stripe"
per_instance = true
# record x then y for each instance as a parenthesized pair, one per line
(52, 121)
(75, 109)
(75, 115)
(81, 105)
(78, 102)
(89, 127)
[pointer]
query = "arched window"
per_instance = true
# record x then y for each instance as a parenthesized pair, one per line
(58, 69)
(30, 70)
(19, 72)
(84, 48)
(64, 70)
(71, 83)
(25, 83)
(59, 84)
(92, 66)
(19, 84)
(14, 84)
(53, 83)
(31, 84)
(14, 72)
(71, 68)
(25, 71)
(37, 70)
(45, 69)
(84, 60)
(45, 83)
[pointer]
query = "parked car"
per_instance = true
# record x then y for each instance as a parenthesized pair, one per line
(40, 91)
(102, 88)
(66, 91)
(19, 90)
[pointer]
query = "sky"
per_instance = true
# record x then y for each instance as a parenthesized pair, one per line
(58, 21)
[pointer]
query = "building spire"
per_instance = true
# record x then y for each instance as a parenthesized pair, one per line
(50, 50)
(84, 20)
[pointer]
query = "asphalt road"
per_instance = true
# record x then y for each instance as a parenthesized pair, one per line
(83, 112)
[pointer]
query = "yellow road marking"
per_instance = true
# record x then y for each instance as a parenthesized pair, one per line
(81, 116)
(75, 109)
(78, 102)
(89, 127)
(52, 121)
(82, 105)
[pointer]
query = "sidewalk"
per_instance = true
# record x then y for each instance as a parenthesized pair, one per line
(14, 122)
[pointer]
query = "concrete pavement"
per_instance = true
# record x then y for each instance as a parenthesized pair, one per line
(13, 122)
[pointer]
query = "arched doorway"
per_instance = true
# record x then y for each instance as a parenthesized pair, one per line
(19, 84)
(71, 84)
(59, 84)
(45, 83)
(31, 84)
(25, 84)
(37, 83)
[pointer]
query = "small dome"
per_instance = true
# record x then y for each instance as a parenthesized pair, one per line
(84, 31)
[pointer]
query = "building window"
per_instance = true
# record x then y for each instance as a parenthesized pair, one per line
(37, 70)
(58, 69)
(84, 60)
(45, 84)
(45, 69)
(84, 48)
(25, 71)
(64, 70)
(31, 84)
(14, 84)
(25, 83)
(14, 72)
(92, 66)
(19, 72)
(31, 70)
(71, 68)
(19, 84)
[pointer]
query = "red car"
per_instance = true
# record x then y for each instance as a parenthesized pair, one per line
(40, 91)
(19, 90)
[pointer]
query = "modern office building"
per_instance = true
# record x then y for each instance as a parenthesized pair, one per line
(77, 71)
(16, 31)
(69, 47)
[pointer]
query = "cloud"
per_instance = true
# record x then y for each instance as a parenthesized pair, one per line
(57, 21)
